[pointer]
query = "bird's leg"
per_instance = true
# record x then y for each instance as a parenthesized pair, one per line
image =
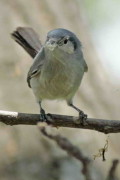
(82, 116)
(43, 116)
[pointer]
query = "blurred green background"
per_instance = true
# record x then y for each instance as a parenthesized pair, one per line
(24, 153)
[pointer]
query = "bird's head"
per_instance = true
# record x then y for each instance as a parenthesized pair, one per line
(62, 40)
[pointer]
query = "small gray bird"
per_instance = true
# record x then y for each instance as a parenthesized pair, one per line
(58, 66)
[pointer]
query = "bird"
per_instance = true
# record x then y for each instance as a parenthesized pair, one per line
(58, 65)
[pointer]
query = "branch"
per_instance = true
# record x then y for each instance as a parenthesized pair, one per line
(104, 126)
(111, 174)
(74, 151)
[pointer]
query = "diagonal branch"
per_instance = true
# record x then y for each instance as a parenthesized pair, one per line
(104, 126)
(111, 174)
(72, 150)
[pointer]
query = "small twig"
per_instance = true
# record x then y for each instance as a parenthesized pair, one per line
(105, 148)
(102, 151)
(65, 144)
(111, 174)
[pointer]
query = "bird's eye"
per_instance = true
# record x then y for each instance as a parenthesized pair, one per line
(65, 41)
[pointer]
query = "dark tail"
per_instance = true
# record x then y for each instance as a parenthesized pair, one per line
(28, 39)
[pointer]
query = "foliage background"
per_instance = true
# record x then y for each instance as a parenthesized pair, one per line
(24, 152)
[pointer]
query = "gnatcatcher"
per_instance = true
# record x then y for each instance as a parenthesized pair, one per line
(58, 66)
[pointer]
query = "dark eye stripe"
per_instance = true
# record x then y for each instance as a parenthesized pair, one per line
(73, 42)
(64, 40)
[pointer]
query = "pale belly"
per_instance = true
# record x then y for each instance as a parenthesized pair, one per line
(57, 84)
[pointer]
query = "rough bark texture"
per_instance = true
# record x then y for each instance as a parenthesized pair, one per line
(104, 126)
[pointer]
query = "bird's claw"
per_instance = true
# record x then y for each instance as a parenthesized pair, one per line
(83, 117)
(43, 116)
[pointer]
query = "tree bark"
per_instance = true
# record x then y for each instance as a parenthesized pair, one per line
(101, 125)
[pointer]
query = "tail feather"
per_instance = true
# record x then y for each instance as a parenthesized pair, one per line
(28, 39)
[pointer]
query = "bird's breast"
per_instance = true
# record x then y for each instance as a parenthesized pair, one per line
(58, 80)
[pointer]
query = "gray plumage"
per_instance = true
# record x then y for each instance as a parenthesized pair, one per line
(58, 66)
(57, 74)
(28, 39)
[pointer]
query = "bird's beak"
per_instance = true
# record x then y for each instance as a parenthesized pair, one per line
(51, 44)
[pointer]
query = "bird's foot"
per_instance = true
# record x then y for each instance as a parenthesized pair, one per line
(83, 117)
(43, 116)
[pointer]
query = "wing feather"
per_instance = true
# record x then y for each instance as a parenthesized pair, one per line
(35, 69)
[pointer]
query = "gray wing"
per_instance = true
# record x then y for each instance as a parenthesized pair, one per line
(81, 57)
(35, 69)
(84, 62)
(85, 66)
